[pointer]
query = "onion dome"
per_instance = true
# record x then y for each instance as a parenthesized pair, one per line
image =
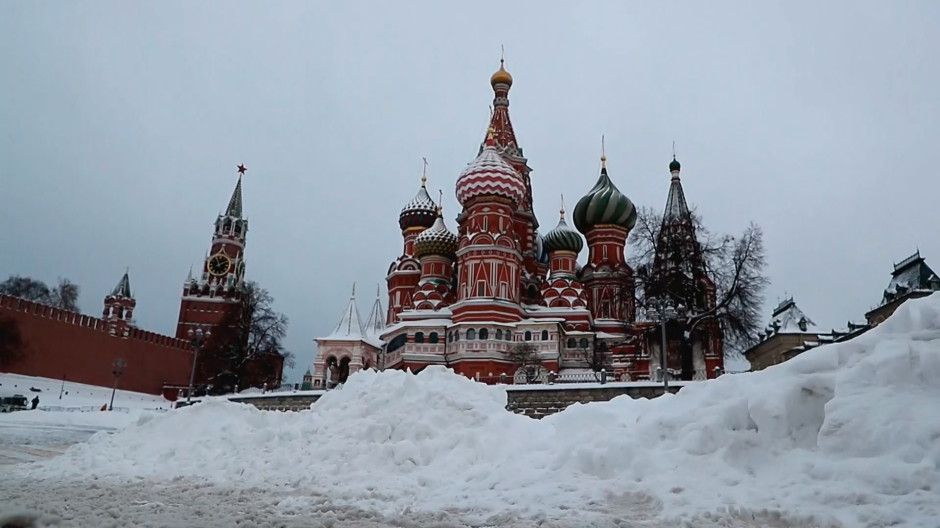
(540, 251)
(501, 76)
(490, 175)
(436, 240)
(674, 165)
(563, 238)
(604, 204)
(420, 211)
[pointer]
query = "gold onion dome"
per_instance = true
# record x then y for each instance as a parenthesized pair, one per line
(501, 76)
(436, 240)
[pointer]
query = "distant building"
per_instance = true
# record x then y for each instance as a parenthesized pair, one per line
(791, 332)
(351, 346)
(912, 278)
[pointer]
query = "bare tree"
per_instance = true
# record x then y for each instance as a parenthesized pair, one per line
(247, 349)
(64, 295)
(733, 266)
(525, 356)
(599, 358)
(12, 347)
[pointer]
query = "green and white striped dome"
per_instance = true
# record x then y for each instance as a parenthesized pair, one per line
(604, 204)
(563, 238)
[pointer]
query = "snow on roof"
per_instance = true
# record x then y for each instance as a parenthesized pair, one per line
(123, 288)
(375, 326)
(911, 274)
(676, 206)
(350, 324)
(789, 319)
(422, 323)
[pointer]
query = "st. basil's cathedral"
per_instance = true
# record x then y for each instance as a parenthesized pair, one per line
(467, 299)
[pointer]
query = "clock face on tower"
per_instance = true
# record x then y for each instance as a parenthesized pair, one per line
(219, 264)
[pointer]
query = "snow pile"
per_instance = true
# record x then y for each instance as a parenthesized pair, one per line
(844, 435)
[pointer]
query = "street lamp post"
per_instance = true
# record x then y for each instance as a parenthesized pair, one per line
(661, 311)
(117, 368)
(198, 339)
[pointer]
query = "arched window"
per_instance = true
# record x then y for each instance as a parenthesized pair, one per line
(397, 343)
(499, 334)
(471, 334)
(432, 338)
(508, 335)
(584, 343)
(528, 335)
(484, 334)
(419, 337)
(572, 342)
(544, 335)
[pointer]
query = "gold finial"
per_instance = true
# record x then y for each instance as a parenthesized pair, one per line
(603, 154)
(502, 53)
(673, 149)
(378, 291)
(424, 172)
(561, 212)
(490, 132)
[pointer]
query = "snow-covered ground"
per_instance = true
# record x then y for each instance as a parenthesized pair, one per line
(845, 435)
(60, 422)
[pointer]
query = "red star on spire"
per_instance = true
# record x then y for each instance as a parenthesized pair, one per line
(241, 169)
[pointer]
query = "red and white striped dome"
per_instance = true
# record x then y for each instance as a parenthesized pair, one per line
(490, 175)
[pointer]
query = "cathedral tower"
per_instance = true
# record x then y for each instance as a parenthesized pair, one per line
(679, 275)
(214, 294)
(403, 274)
(562, 289)
(489, 260)
(436, 247)
(605, 216)
(525, 224)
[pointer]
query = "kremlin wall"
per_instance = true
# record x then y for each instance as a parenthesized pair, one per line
(81, 349)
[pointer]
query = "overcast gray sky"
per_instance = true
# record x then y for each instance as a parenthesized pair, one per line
(121, 124)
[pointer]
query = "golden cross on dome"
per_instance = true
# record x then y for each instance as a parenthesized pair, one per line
(440, 202)
(603, 154)
(562, 211)
(424, 172)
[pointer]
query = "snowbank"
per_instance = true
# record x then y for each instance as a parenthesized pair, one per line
(846, 434)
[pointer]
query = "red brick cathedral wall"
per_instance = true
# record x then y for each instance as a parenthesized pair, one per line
(80, 347)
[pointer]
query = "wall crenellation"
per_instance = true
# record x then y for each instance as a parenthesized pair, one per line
(69, 317)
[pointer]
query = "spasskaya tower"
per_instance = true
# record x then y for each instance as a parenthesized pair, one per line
(214, 294)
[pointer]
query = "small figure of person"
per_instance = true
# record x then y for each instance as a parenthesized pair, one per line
(35, 402)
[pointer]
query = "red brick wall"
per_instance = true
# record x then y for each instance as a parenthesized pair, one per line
(78, 346)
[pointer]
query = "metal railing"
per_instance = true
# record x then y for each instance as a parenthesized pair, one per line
(600, 377)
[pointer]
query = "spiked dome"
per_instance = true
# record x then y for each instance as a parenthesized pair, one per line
(604, 204)
(563, 238)
(436, 240)
(420, 211)
(490, 175)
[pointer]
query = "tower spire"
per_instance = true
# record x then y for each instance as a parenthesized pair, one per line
(234, 208)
